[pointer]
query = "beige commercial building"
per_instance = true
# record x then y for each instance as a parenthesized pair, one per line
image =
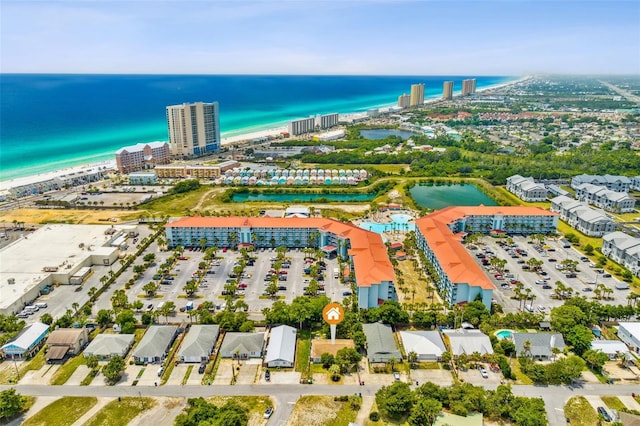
(194, 129)
(417, 94)
(195, 171)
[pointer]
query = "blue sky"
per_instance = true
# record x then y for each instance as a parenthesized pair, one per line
(508, 37)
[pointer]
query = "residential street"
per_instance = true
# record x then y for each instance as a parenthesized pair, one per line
(554, 396)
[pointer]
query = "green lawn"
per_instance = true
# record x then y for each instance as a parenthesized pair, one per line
(613, 402)
(303, 351)
(580, 412)
(67, 369)
(120, 413)
(62, 412)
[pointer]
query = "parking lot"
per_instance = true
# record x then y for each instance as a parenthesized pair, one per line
(541, 285)
(252, 283)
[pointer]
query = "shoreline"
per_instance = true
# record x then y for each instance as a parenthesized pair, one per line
(247, 134)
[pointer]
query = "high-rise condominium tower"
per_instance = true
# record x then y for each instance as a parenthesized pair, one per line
(468, 86)
(194, 129)
(404, 100)
(417, 95)
(447, 90)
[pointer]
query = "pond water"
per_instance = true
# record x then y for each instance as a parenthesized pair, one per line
(299, 197)
(375, 134)
(441, 196)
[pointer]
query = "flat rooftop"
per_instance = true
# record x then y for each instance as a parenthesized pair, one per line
(66, 247)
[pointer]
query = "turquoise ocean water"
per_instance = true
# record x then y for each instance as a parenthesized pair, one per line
(49, 122)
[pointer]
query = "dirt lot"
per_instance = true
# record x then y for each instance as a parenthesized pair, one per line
(314, 411)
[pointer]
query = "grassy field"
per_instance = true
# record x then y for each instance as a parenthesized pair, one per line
(322, 411)
(386, 168)
(67, 369)
(120, 413)
(520, 376)
(303, 351)
(62, 412)
(579, 412)
(613, 402)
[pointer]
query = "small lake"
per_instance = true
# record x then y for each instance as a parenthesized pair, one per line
(300, 197)
(375, 134)
(441, 196)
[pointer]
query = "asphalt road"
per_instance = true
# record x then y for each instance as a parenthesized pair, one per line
(285, 395)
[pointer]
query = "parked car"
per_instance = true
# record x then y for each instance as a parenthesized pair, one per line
(267, 375)
(203, 366)
(484, 373)
(268, 412)
(396, 376)
(605, 415)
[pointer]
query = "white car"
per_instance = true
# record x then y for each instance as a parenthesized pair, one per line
(268, 412)
(484, 373)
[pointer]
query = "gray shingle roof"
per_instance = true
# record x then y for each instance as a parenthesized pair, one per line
(199, 341)
(541, 343)
(242, 342)
(110, 344)
(380, 342)
(155, 341)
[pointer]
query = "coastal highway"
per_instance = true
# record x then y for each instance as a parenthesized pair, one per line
(285, 395)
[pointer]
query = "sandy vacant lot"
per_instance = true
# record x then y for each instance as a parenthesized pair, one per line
(37, 216)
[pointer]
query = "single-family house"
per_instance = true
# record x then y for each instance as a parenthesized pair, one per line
(65, 341)
(281, 349)
(629, 333)
(381, 346)
(613, 348)
(464, 341)
(428, 345)
(242, 345)
(155, 344)
(322, 346)
(199, 342)
(27, 342)
(104, 346)
(538, 345)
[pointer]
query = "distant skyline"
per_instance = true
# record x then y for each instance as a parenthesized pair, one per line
(336, 37)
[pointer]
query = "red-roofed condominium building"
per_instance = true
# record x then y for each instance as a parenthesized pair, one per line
(439, 235)
(366, 251)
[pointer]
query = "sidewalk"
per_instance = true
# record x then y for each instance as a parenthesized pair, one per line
(365, 409)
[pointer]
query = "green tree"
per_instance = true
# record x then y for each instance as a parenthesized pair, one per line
(327, 360)
(114, 369)
(425, 412)
(11, 404)
(396, 400)
(104, 317)
(595, 359)
(580, 338)
(334, 372)
(190, 288)
(412, 357)
(150, 288)
(167, 309)
(46, 318)
(346, 358)
(92, 361)
(565, 317)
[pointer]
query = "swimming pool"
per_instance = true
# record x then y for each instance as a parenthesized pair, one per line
(504, 334)
(400, 223)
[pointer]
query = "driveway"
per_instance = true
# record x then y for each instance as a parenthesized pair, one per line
(78, 376)
(41, 376)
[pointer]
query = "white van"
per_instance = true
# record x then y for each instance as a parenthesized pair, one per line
(41, 305)
(31, 308)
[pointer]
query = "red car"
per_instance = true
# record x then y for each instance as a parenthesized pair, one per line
(242, 285)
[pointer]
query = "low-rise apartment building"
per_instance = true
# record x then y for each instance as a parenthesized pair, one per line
(600, 196)
(589, 221)
(624, 249)
(526, 188)
(195, 171)
(614, 183)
